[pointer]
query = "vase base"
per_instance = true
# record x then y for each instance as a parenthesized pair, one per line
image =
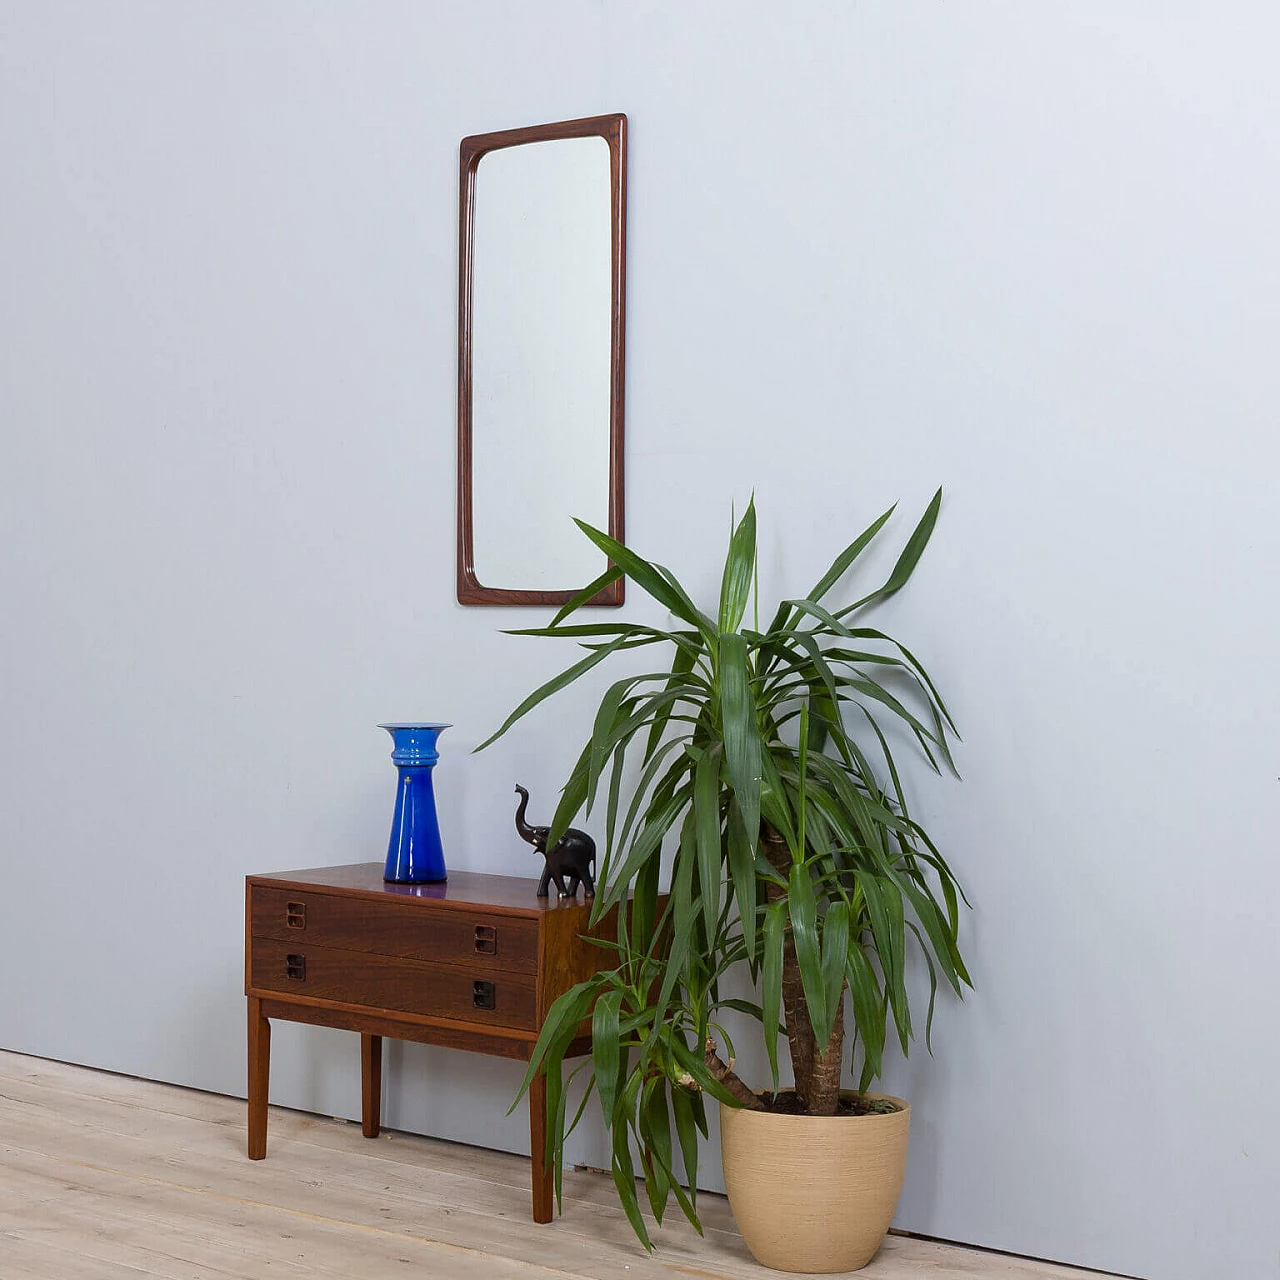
(415, 880)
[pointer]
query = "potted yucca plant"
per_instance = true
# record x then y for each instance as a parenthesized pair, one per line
(761, 759)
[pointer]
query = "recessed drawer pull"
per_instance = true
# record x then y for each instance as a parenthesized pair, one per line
(295, 915)
(295, 967)
(486, 939)
(482, 994)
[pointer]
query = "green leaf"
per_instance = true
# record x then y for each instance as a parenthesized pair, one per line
(648, 842)
(606, 1050)
(835, 947)
(687, 1133)
(696, 1066)
(907, 561)
(606, 579)
(560, 1024)
(742, 869)
(804, 932)
(706, 807)
(651, 578)
(771, 981)
(886, 924)
(842, 562)
(741, 733)
(624, 1178)
(655, 1131)
(739, 565)
(868, 1012)
(571, 799)
(566, 677)
(681, 666)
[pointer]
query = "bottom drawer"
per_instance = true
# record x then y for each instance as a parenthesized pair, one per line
(382, 982)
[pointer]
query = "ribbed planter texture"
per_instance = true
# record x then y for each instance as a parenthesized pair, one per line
(814, 1193)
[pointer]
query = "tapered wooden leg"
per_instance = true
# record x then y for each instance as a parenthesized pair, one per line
(543, 1179)
(370, 1084)
(259, 1078)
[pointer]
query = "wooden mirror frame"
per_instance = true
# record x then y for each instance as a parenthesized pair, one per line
(613, 129)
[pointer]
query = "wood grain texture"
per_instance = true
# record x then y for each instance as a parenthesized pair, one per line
(259, 1045)
(386, 926)
(500, 1042)
(463, 891)
(543, 1177)
(613, 129)
(370, 1085)
(339, 947)
(103, 1176)
(404, 986)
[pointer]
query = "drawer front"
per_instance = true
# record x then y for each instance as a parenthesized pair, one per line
(397, 929)
(465, 993)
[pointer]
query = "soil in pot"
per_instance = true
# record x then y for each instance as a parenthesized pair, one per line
(851, 1104)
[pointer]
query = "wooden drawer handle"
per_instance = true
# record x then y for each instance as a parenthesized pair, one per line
(483, 994)
(486, 940)
(295, 967)
(295, 915)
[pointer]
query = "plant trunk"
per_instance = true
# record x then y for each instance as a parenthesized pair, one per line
(725, 1073)
(824, 1083)
(805, 1058)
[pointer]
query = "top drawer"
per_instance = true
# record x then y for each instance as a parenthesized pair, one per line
(392, 928)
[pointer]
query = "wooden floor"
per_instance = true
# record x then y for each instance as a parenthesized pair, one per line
(105, 1176)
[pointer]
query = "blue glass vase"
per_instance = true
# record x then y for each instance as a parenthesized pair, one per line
(415, 854)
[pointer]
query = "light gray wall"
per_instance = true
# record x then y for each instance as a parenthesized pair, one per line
(1026, 250)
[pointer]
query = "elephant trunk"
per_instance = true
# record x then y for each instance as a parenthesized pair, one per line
(525, 830)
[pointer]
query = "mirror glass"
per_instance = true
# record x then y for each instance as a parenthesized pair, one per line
(540, 360)
(540, 343)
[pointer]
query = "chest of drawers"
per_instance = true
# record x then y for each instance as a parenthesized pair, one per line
(471, 964)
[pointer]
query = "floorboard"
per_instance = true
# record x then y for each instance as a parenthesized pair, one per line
(103, 1176)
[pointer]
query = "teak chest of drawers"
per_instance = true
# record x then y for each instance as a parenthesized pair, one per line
(471, 964)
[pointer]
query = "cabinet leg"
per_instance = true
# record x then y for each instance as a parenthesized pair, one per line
(543, 1178)
(259, 1078)
(370, 1084)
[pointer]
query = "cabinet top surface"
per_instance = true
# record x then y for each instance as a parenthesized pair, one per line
(462, 889)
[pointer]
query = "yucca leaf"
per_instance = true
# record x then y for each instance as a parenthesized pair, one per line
(562, 1019)
(566, 677)
(706, 808)
(624, 1179)
(648, 841)
(868, 1012)
(572, 799)
(771, 981)
(835, 947)
(741, 733)
(846, 558)
(606, 579)
(687, 1134)
(650, 577)
(655, 1132)
(907, 561)
(606, 1050)
(804, 932)
(696, 1066)
(742, 870)
(682, 665)
(933, 987)
(739, 566)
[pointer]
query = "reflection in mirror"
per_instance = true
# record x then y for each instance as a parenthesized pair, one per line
(540, 360)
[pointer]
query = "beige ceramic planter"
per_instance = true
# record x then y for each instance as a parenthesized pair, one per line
(813, 1193)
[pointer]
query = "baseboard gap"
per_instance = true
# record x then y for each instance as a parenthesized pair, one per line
(1009, 1253)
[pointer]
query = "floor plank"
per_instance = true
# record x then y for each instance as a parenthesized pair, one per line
(107, 1176)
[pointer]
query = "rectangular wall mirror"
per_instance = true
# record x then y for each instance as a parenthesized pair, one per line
(541, 303)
